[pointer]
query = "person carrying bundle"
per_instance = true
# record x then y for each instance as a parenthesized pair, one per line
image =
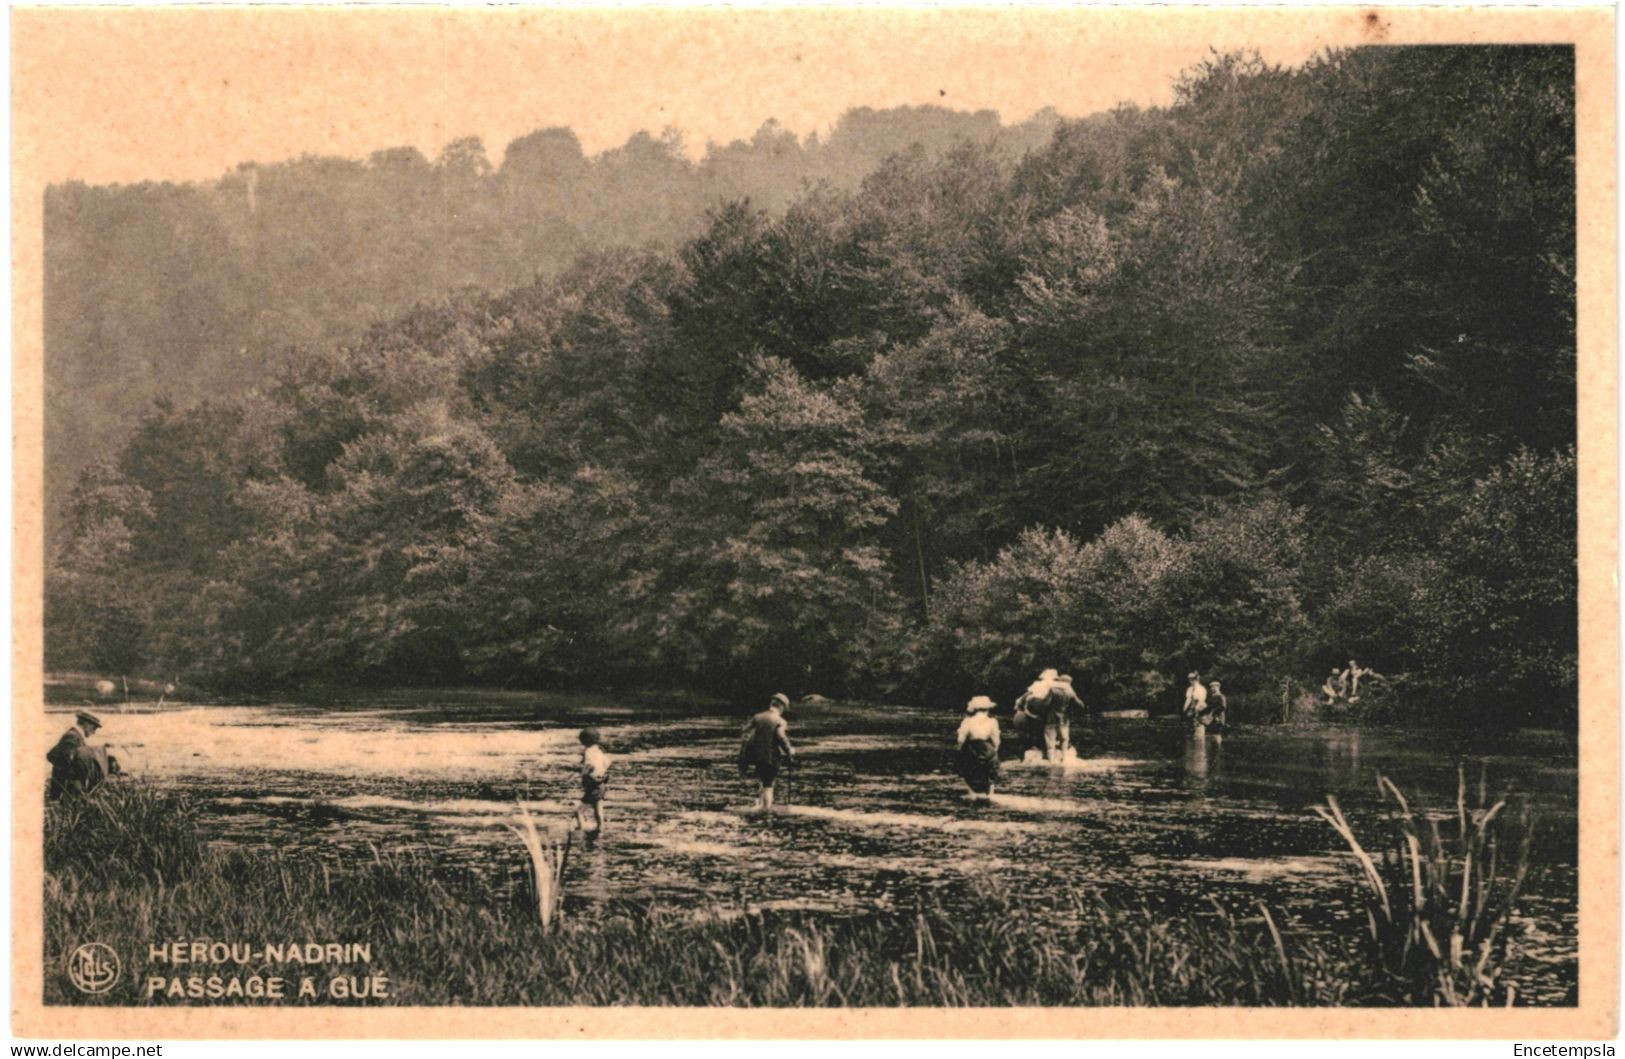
(979, 747)
(1058, 707)
(764, 748)
(1030, 712)
(1044, 713)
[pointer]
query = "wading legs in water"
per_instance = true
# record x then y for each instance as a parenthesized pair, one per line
(597, 809)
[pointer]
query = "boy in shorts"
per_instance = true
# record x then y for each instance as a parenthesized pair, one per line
(594, 777)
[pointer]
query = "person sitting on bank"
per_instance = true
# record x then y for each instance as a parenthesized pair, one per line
(1214, 715)
(594, 777)
(1332, 689)
(1195, 698)
(76, 766)
(764, 748)
(1354, 673)
(979, 747)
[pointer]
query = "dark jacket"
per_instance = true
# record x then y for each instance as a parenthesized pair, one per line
(765, 739)
(66, 748)
(76, 766)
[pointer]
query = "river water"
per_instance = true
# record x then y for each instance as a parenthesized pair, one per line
(871, 820)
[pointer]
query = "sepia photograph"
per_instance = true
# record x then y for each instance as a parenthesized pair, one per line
(1013, 511)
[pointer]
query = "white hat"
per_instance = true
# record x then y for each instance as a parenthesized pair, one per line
(978, 704)
(1048, 674)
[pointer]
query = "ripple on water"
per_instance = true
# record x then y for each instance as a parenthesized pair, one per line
(884, 819)
(1258, 869)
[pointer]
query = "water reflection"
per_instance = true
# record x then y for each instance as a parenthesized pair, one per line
(1196, 757)
(1340, 754)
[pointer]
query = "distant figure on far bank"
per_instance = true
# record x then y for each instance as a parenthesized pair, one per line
(1213, 716)
(76, 766)
(1354, 673)
(1195, 698)
(594, 777)
(764, 748)
(105, 689)
(1333, 688)
(979, 748)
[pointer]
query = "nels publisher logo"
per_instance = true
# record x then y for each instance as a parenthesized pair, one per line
(93, 967)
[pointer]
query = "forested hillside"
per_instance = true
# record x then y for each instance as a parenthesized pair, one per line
(198, 290)
(1276, 376)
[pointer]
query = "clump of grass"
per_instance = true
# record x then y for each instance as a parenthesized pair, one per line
(123, 832)
(449, 935)
(1439, 906)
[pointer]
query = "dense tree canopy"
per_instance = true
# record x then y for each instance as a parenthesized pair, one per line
(1276, 375)
(200, 290)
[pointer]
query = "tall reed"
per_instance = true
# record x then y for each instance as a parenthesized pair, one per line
(547, 863)
(1439, 906)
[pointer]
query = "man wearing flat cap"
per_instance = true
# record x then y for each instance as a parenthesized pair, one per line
(76, 765)
(764, 748)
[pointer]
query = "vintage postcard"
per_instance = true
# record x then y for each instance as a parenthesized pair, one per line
(817, 522)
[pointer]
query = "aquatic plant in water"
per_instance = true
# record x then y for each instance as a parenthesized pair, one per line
(547, 863)
(1439, 907)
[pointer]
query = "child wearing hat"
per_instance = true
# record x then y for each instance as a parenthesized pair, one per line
(594, 777)
(979, 747)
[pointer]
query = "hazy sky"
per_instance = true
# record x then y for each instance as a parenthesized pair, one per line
(185, 94)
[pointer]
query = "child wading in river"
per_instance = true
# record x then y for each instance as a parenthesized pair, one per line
(764, 748)
(979, 748)
(594, 776)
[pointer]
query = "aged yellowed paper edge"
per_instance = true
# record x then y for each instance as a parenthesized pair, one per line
(42, 41)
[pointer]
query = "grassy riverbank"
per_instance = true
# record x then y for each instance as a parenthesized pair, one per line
(126, 868)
